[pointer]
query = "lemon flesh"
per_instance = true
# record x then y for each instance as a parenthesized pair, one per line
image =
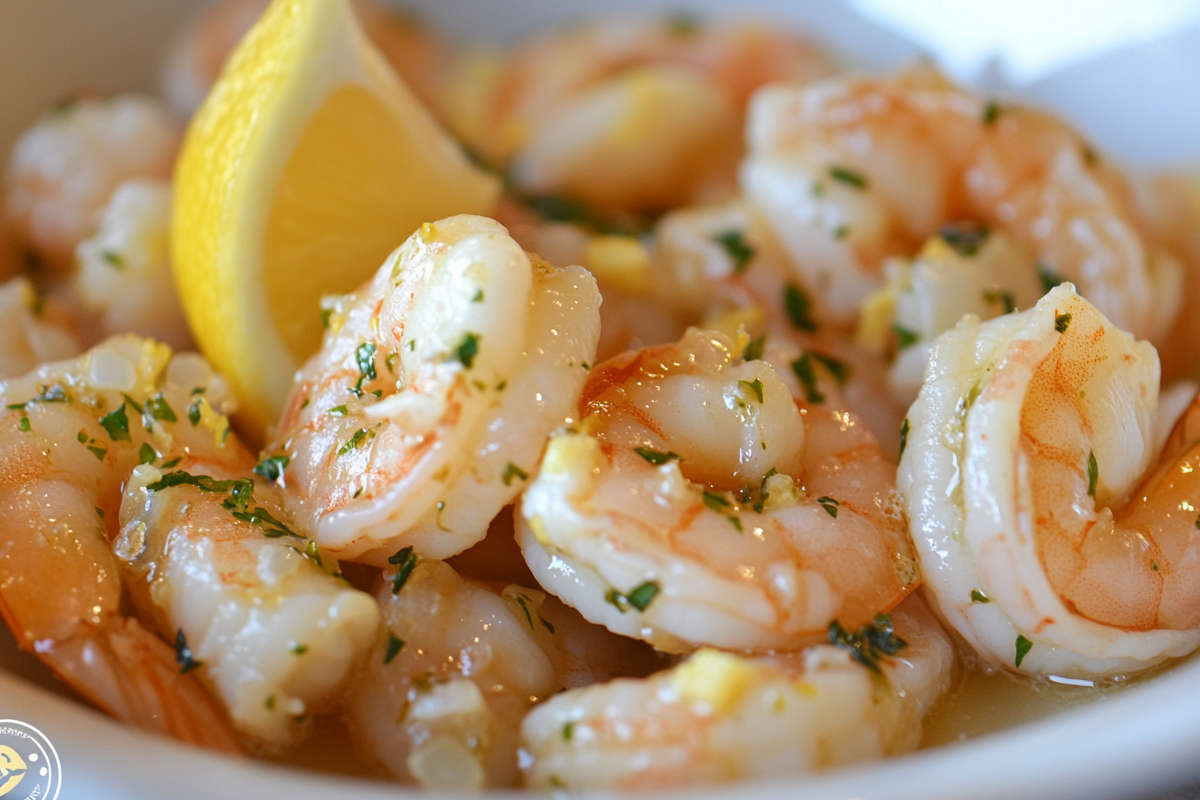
(308, 163)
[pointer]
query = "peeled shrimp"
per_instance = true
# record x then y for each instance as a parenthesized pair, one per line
(208, 555)
(196, 59)
(69, 433)
(31, 333)
(1052, 536)
(441, 697)
(124, 268)
(722, 717)
(851, 171)
(426, 409)
(699, 503)
(63, 170)
(622, 115)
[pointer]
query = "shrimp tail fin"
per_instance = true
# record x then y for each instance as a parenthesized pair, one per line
(131, 674)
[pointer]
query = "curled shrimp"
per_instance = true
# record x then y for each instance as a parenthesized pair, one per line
(722, 717)
(426, 409)
(69, 433)
(441, 697)
(700, 503)
(1052, 535)
(63, 170)
(124, 268)
(851, 171)
(31, 332)
(624, 115)
(196, 58)
(267, 622)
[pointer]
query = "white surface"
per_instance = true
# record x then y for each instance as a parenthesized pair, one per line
(1140, 104)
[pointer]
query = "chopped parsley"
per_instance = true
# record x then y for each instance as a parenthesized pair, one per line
(478, 298)
(979, 597)
(272, 468)
(465, 353)
(1005, 298)
(160, 409)
(338, 411)
(513, 471)
(639, 598)
(98, 452)
(991, 112)
(841, 232)
(1048, 277)
(735, 245)
(568, 729)
(905, 337)
(754, 350)
(656, 457)
(803, 367)
(298, 649)
(870, 643)
(193, 411)
(904, 429)
(326, 313)
(798, 306)
(965, 237)
(763, 494)
(116, 422)
(1061, 322)
(364, 357)
(51, 394)
(113, 259)
(683, 24)
(715, 501)
(830, 505)
(1093, 472)
(848, 177)
(146, 454)
(260, 517)
(1023, 648)
(405, 562)
(174, 462)
(754, 387)
(183, 654)
(838, 369)
(360, 437)
(394, 645)
(25, 425)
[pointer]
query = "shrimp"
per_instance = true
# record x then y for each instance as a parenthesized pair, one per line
(722, 267)
(1051, 536)
(414, 50)
(262, 613)
(124, 268)
(64, 169)
(960, 271)
(426, 410)
(852, 171)
(699, 503)
(441, 698)
(69, 433)
(31, 331)
(624, 115)
(722, 717)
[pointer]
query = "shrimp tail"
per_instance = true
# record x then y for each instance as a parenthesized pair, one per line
(132, 675)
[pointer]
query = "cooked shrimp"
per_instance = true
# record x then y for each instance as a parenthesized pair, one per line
(30, 332)
(851, 171)
(124, 268)
(69, 434)
(958, 272)
(624, 115)
(699, 503)
(722, 717)
(426, 410)
(196, 58)
(723, 268)
(64, 169)
(207, 554)
(443, 694)
(1051, 535)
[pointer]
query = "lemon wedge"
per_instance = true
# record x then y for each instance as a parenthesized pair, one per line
(309, 162)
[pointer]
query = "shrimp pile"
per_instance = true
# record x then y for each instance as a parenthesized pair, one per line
(704, 461)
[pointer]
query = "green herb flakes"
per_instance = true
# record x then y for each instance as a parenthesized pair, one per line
(116, 422)
(830, 505)
(394, 645)
(656, 457)
(146, 454)
(870, 643)
(1093, 473)
(1023, 648)
(904, 429)
(735, 245)
(754, 387)
(272, 468)
(979, 597)
(754, 350)
(848, 177)
(1062, 322)
(798, 306)
(405, 562)
(465, 353)
(183, 654)
(513, 471)
(905, 338)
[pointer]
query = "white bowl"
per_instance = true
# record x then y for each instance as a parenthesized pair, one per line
(1144, 739)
